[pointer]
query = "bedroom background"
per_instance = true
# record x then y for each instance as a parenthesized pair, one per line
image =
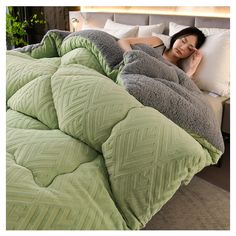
(59, 18)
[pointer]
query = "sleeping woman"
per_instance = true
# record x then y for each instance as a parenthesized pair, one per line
(183, 44)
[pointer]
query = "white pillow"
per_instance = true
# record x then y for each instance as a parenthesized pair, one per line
(111, 25)
(120, 30)
(143, 30)
(213, 73)
(175, 28)
(147, 30)
(211, 31)
(121, 33)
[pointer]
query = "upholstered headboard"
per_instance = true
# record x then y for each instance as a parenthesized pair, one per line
(98, 19)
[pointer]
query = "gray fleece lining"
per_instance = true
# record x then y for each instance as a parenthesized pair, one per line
(163, 86)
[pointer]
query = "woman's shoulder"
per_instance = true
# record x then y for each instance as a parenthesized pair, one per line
(160, 48)
(155, 41)
(161, 45)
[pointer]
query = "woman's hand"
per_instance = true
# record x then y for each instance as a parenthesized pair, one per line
(193, 62)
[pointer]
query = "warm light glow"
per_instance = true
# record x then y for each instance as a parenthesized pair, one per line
(74, 22)
(178, 10)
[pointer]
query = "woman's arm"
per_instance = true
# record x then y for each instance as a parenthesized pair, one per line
(193, 62)
(125, 43)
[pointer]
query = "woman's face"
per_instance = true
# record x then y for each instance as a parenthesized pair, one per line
(185, 46)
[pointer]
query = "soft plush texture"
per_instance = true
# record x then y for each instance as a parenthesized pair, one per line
(83, 153)
(213, 73)
(113, 26)
(147, 30)
(124, 31)
(212, 31)
(159, 84)
(143, 30)
(115, 29)
(175, 28)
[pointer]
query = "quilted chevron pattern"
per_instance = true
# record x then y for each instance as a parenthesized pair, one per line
(18, 120)
(88, 104)
(82, 153)
(73, 201)
(46, 152)
(83, 57)
(22, 69)
(35, 99)
(145, 171)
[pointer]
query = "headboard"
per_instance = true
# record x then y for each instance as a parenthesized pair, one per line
(98, 19)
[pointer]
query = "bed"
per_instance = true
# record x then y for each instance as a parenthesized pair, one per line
(82, 151)
(215, 96)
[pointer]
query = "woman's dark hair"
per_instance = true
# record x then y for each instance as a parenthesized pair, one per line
(189, 31)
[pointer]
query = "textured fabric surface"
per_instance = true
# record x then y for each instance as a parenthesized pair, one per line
(213, 74)
(82, 153)
(147, 30)
(121, 30)
(159, 84)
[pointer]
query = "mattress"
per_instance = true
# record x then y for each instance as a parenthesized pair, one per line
(216, 102)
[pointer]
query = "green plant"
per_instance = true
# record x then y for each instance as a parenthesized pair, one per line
(16, 30)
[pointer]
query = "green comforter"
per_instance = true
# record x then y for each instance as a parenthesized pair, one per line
(82, 153)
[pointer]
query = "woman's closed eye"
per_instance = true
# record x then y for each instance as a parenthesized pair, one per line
(190, 47)
(184, 40)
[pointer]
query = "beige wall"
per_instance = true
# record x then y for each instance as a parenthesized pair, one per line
(178, 10)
